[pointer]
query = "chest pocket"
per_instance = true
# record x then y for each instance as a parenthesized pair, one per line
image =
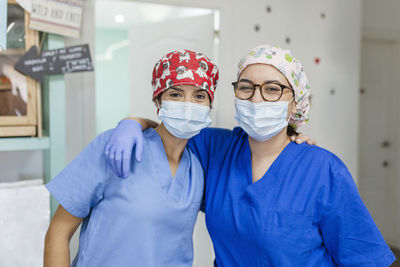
(287, 238)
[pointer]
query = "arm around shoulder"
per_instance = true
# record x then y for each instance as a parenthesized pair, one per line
(146, 123)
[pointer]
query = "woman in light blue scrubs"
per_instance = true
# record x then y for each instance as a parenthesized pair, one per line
(269, 201)
(148, 218)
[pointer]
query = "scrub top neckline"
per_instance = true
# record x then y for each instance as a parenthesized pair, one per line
(271, 170)
(170, 185)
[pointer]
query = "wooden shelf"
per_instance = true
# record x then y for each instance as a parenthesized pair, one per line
(53, 145)
(13, 52)
(24, 143)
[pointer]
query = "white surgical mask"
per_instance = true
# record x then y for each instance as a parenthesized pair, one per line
(184, 119)
(262, 120)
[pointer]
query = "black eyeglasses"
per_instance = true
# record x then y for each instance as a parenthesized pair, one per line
(270, 91)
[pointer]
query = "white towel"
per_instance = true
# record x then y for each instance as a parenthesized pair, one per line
(24, 219)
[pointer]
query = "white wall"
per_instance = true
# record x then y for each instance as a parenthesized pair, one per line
(80, 91)
(394, 181)
(381, 27)
(380, 19)
(335, 40)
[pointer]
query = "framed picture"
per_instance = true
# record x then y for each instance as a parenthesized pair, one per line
(20, 112)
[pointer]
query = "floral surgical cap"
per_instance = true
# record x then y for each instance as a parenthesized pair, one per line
(291, 68)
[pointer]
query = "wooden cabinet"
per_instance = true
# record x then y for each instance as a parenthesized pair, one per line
(20, 105)
(53, 142)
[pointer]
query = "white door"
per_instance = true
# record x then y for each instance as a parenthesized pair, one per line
(379, 117)
(148, 44)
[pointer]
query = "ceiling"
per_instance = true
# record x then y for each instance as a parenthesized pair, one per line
(138, 13)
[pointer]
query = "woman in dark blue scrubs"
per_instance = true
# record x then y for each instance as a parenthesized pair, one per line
(269, 201)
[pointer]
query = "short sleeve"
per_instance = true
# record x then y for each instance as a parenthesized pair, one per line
(347, 228)
(208, 142)
(80, 185)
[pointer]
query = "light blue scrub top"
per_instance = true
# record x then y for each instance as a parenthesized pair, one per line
(144, 220)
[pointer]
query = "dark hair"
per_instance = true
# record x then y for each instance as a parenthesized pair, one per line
(291, 130)
(158, 99)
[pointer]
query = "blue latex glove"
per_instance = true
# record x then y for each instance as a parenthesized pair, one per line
(124, 137)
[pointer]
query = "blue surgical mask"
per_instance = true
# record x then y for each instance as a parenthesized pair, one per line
(261, 121)
(184, 119)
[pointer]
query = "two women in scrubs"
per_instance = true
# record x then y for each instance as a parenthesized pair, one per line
(147, 219)
(269, 201)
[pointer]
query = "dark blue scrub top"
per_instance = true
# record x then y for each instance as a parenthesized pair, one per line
(304, 211)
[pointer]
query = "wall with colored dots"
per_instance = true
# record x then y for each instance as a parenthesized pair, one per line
(325, 37)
